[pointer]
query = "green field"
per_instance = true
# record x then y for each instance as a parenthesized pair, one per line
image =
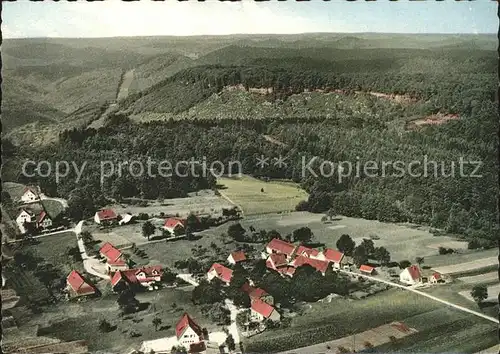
(276, 197)
(340, 318)
(53, 249)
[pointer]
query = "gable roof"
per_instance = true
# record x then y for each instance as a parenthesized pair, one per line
(366, 268)
(110, 252)
(223, 273)
(130, 275)
(262, 308)
(106, 214)
(306, 251)
(238, 256)
(42, 216)
(253, 293)
(414, 272)
(320, 266)
(332, 255)
(276, 260)
(290, 271)
(185, 322)
(281, 246)
(436, 275)
(173, 222)
(30, 189)
(78, 284)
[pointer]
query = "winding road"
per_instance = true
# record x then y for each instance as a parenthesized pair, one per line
(458, 307)
(91, 264)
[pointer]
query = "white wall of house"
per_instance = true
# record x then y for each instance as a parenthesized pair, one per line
(22, 218)
(255, 316)
(230, 259)
(189, 337)
(405, 277)
(29, 196)
(47, 222)
(212, 274)
(96, 219)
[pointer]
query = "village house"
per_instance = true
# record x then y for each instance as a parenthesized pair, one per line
(366, 269)
(188, 332)
(30, 195)
(307, 252)
(435, 278)
(175, 226)
(43, 221)
(77, 286)
(145, 277)
(25, 216)
(289, 271)
(220, 272)
(260, 311)
(333, 256)
(320, 266)
(282, 247)
(411, 275)
(105, 217)
(276, 260)
(257, 294)
(236, 257)
(113, 256)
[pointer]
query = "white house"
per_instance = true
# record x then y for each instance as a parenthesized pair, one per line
(29, 195)
(435, 278)
(219, 271)
(105, 216)
(175, 225)
(236, 257)
(411, 275)
(43, 221)
(260, 311)
(188, 332)
(23, 217)
(333, 256)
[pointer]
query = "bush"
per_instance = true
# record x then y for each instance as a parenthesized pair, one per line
(143, 216)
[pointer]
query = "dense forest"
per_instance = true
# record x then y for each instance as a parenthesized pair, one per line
(358, 127)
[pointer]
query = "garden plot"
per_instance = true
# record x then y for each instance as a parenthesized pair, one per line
(456, 245)
(493, 292)
(475, 265)
(485, 278)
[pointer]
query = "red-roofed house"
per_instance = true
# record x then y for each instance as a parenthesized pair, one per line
(30, 194)
(257, 294)
(113, 256)
(320, 266)
(175, 226)
(188, 332)
(105, 216)
(43, 220)
(145, 276)
(77, 286)
(25, 216)
(366, 269)
(276, 260)
(260, 311)
(219, 271)
(307, 252)
(411, 275)
(280, 246)
(333, 256)
(236, 257)
(435, 278)
(288, 271)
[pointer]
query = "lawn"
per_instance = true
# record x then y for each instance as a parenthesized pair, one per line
(15, 190)
(247, 193)
(52, 207)
(73, 321)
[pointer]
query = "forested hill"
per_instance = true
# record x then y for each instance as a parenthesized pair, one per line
(243, 101)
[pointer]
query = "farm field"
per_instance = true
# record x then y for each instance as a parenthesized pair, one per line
(246, 193)
(202, 202)
(72, 321)
(471, 266)
(340, 318)
(493, 292)
(402, 241)
(485, 278)
(120, 236)
(15, 190)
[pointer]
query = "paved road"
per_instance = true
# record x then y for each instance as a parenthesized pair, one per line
(91, 264)
(458, 307)
(233, 328)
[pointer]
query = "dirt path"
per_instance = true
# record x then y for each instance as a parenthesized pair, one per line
(491, 319)
(126, 81)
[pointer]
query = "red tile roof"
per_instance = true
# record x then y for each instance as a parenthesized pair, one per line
(41, 216)
(414, 272)
(31, 189)
(366, 269)
(79, 285)
(238, 256)
(130, 275)
(263, 308)
(106, 214)
(276, 260)
(173, 222)
(281, 246)
(253, 293)
(223, 273)
(306, 251)
(332, 255)
(436, 276)
(185, 322)
(110, 252)
(320, 266)
(290, 271)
